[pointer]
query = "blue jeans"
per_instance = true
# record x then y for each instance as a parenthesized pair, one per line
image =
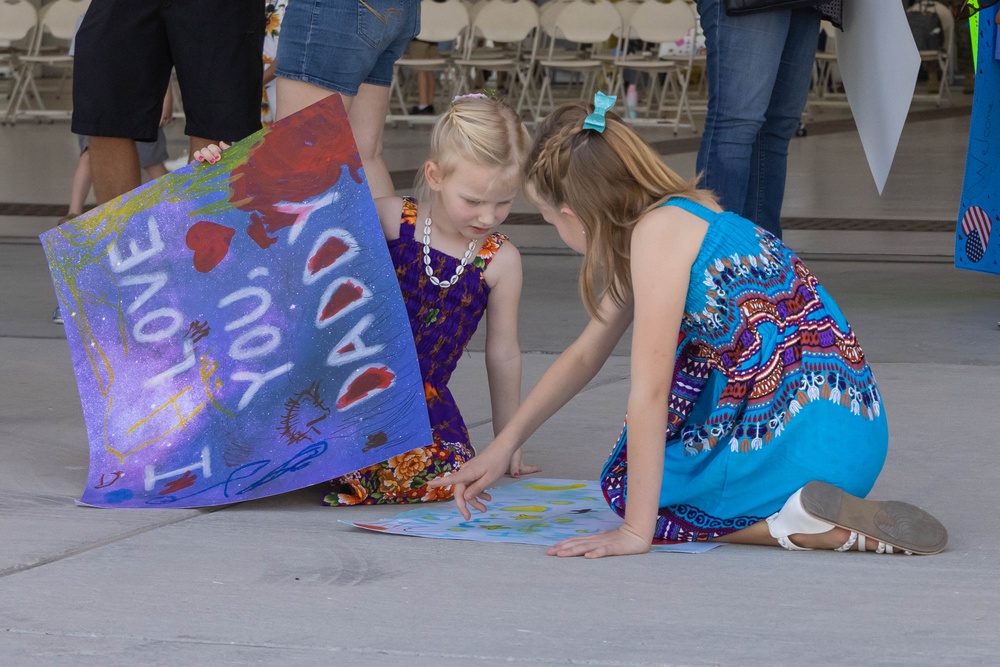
(759, 69)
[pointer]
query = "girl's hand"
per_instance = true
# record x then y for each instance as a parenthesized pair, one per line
(621, 542)
(473, 478)
(211, 153)
(518, 467)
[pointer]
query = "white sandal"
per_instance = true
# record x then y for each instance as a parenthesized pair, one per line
(896, 527)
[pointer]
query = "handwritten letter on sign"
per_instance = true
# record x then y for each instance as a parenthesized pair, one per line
(236, 329)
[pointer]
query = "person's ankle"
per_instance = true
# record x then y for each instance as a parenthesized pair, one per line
(831, 539)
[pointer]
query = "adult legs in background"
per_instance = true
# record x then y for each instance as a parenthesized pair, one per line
(81, 187)
(124, 55)
(114, 163)
(366, 112)
(757, 93)
(347, 48)
(769, 161)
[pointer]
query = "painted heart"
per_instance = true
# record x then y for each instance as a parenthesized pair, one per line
(210, 243)
(341, 296)
(365, 383)
(327, 254)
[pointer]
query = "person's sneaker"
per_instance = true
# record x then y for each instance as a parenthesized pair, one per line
(422, 111)
(57, 316)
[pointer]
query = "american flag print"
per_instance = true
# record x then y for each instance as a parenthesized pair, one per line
(976, 225)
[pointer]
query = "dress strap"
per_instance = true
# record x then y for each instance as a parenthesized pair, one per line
(489, 249)
(703, 212)
(408, 220)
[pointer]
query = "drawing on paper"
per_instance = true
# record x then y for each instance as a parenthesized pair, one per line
(529, 511)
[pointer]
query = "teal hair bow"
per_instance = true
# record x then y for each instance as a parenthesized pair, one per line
(602, 103)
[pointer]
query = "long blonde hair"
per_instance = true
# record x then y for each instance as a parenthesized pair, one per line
(483, 130)
(610, 179)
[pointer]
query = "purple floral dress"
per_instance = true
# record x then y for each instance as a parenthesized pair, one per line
(443, 321)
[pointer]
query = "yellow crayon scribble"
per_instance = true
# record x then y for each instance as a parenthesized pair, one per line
(182, 420)
(554, 487)
(80, 247)
(527, 508)
(521, 517)
(206, 368)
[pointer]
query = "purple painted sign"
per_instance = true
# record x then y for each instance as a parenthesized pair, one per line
(237, 329)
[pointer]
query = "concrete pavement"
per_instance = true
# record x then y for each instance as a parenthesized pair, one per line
(281, 582)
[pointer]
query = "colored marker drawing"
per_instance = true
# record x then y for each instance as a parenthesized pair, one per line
(237, 329)
(528, 511)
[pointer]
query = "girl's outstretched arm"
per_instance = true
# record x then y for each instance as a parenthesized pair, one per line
(503, 354)
(664, 245)
(570, 373)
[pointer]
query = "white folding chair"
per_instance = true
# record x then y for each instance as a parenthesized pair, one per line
(662, 22)
(439, 22)
(17, 19)
(826, 74)
(512, 22)
(547, 20)
(588, 25)
(59, 20)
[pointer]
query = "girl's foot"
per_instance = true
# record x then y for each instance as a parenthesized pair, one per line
(822, 516)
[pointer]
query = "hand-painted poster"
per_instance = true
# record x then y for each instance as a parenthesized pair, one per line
(237, 329)
(529, 511)
(976, 248)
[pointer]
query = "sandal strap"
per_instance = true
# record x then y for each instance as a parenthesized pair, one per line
(883, 547)
(791, 546)
(846, 546)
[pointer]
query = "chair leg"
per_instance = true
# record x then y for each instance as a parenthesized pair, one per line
(25, 80)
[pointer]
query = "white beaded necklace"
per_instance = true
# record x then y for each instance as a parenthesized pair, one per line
(459, 270)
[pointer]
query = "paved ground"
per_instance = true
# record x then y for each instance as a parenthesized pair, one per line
(281, 582)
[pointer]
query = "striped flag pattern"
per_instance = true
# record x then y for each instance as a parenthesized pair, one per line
(976, 225)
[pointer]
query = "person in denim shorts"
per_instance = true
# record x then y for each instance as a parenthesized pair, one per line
(339, 46)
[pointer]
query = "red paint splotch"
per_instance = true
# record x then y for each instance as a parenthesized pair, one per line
(345, 294)
(372, 379)
(326, 255)
(210, 243)
(182, 482)
(306, 164)
(350, 347)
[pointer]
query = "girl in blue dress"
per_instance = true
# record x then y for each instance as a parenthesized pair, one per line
(775, 429)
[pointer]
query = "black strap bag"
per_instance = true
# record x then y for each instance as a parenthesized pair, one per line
(830, 9)
(738, 7)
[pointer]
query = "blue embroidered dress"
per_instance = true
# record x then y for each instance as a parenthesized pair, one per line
(770, 390)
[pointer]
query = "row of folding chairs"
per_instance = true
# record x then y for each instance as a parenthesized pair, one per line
(22, 24)
(563, 40)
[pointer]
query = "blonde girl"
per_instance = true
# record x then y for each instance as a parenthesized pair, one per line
(453, 267)
(753, 416)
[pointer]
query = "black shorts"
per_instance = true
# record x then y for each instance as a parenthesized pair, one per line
(125, 50)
